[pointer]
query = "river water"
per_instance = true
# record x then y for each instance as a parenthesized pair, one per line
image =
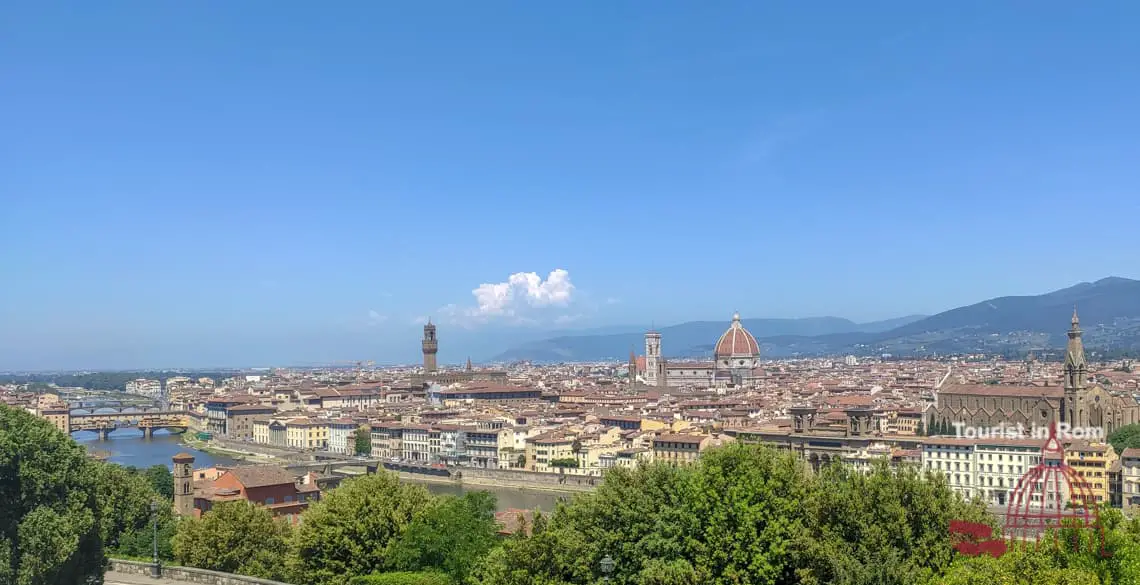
(129, 447)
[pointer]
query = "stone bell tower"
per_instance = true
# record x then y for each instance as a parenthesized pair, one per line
(184, 484)
(1076, 372)
(431, 346)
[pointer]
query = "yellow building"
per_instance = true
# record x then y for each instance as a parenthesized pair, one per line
(545, 449)
(261, 431)
(59, 416)
(303, 433)
(682, 448)
(1092, 462)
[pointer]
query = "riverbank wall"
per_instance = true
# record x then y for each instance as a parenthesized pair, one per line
(242, 450)
(508, 478)
(471, 476)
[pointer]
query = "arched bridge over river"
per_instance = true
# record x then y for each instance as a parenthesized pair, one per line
(105, 423)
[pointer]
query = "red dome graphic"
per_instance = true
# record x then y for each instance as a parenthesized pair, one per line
(1050, 497)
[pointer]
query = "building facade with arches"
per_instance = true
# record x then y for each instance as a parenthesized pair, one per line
(1077, 401)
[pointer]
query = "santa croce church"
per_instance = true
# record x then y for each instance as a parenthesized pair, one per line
(1076, 402)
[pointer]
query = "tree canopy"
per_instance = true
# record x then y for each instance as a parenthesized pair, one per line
(234, 537)
(362, 441)
(1127, 436)
(450, 535)
(351, 530)
(742, 515)
(50, 520)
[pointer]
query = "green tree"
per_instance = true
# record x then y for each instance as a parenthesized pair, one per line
(451, 534)
(555, 556)
(362, 439)
(161, 480)
(742, 515)
(888, 527)
(565, 463)
(138, 543)
(1127, 436)
(403, 578)
(50, 518)
(676, 572)
(1017, 567)
(125, 497)
(351, 530)
(234, 537)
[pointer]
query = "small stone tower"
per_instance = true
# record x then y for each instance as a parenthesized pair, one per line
(184, 484)
(431, 346)
(652, 358)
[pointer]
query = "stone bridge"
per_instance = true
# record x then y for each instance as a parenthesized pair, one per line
(175, 421)
(128, 409)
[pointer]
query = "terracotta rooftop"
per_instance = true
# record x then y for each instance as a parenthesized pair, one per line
(678, 438)
(254, 476)
(737, 341)
(1004, 391)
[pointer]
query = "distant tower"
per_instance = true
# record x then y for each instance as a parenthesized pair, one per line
(652, 358)
(469, 368)
(184, 484)
(632, 368)
(1073, 409)
(431, 346)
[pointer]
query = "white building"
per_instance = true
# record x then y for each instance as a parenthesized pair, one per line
(1130, 478)
(342, 436)
(984, 468)
(416, 445)
(145, 387)
(864, 460)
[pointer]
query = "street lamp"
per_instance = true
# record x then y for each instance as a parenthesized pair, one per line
(607, 566)
(155, 570)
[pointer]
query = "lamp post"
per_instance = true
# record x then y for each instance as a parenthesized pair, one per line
(155, 570)
(607, 566)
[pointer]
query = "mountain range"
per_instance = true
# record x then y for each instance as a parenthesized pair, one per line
(1109, 311)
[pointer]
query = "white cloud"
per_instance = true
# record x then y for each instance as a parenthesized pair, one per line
(524, 289)
(375, 318)
(518, 299)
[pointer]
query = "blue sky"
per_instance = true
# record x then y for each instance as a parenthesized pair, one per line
(217, 183)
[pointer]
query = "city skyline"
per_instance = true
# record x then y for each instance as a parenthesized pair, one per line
(249, 185)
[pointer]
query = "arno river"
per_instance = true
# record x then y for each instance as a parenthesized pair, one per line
(128, 447)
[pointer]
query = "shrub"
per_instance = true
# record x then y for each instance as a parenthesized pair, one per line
(403, 578)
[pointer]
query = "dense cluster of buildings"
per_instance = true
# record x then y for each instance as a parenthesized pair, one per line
(582, 419)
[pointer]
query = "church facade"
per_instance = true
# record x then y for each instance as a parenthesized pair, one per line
(1076, 401)
(736, 360)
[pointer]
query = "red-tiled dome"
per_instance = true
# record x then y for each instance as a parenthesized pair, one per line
(737, 341)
